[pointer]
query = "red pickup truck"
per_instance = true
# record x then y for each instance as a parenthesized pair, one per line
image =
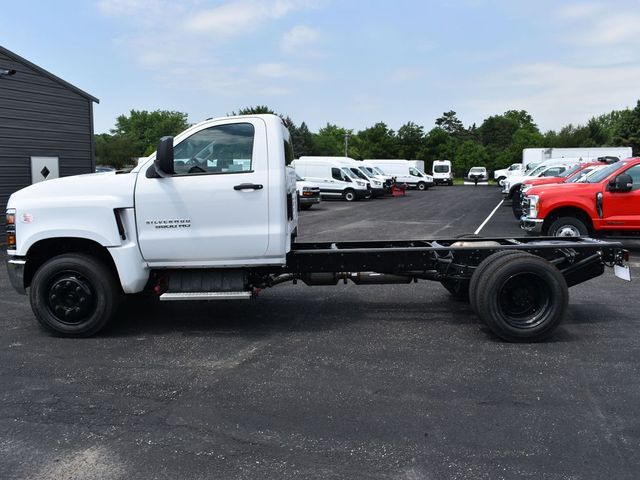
(607, 203)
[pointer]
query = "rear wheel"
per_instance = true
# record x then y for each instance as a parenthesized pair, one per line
(522, 298)
(74, 295)
(478, 276)
(349, 195)
(568, 227)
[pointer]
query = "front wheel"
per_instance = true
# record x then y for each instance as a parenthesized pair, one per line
(349, 195)
(74, 295)
(500, 181)
(522, 298)
(568, 227)
(422, 186)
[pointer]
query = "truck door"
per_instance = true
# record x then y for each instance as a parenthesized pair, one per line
(214, 210)
(622, 209)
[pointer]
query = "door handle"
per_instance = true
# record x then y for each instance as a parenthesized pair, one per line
(248, 186)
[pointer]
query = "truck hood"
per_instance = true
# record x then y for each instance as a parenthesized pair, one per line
(564, 189)
(109, 189)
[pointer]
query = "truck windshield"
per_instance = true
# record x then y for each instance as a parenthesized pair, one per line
(605, 172)
(377, 169)
(441, 169)
(349, 173)
(570, 171)
(536, 172)
(370, 171)
(358, 173)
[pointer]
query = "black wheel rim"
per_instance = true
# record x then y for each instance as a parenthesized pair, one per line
(524, 300)
(71, 298)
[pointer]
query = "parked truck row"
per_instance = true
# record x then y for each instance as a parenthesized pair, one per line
(211, 216)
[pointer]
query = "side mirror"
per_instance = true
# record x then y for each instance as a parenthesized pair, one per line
(621, 183)
(164, 157)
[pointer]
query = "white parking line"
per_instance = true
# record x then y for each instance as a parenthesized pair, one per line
(488, 218)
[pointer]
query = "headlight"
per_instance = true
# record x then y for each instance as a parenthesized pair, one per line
(11, 229)
(360, 184)
(377, 183)
(306, 189)
(534, 203)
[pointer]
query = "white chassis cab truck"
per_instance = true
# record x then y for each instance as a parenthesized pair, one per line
(211, 216)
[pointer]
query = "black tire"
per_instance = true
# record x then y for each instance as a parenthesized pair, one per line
(478, 274)
(516, 205)
(499, 181)
(74, 295)
(522, 298)
(421, 186)
(349, 195)
(305, 207)
(568, 227)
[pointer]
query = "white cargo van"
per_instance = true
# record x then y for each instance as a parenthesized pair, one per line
(404, 172)
(334, 178)
(358, 169)
(442, 172)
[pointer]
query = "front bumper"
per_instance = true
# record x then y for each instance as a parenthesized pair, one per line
(15, 269)
(532, 225)
(363, 193)
(378, 192)
(309, 200)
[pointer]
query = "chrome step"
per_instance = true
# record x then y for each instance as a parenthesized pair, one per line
(173, 296)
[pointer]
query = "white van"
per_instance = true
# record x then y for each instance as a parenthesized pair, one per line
(360, 170)
(442, 172)
(403, 172)
(334, 178)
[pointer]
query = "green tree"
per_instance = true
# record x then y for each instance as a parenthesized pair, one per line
(378, 141)
(496, 132)
(450, 123)
(627, 129)
(302, 140)
(254, 110)
(143, 129)
(329, 141)
(409, 140)
(469, 154)
(115, 151)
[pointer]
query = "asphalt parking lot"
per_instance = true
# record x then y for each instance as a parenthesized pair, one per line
(396, 382)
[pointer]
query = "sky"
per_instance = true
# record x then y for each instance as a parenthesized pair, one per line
(347, 62)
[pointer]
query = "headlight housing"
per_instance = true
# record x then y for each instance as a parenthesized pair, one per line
(534, 205)
(11, 229)
(360, 184)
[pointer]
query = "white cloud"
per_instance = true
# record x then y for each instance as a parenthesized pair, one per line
(299, 39)
(596, 24)
(236, 17)
(556, 94)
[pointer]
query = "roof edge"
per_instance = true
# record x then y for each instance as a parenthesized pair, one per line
(46, 73)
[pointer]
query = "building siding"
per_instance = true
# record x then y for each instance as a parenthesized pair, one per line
(40, 116)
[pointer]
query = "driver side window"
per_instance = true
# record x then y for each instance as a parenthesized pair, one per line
(215, 150)
(634, 172)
